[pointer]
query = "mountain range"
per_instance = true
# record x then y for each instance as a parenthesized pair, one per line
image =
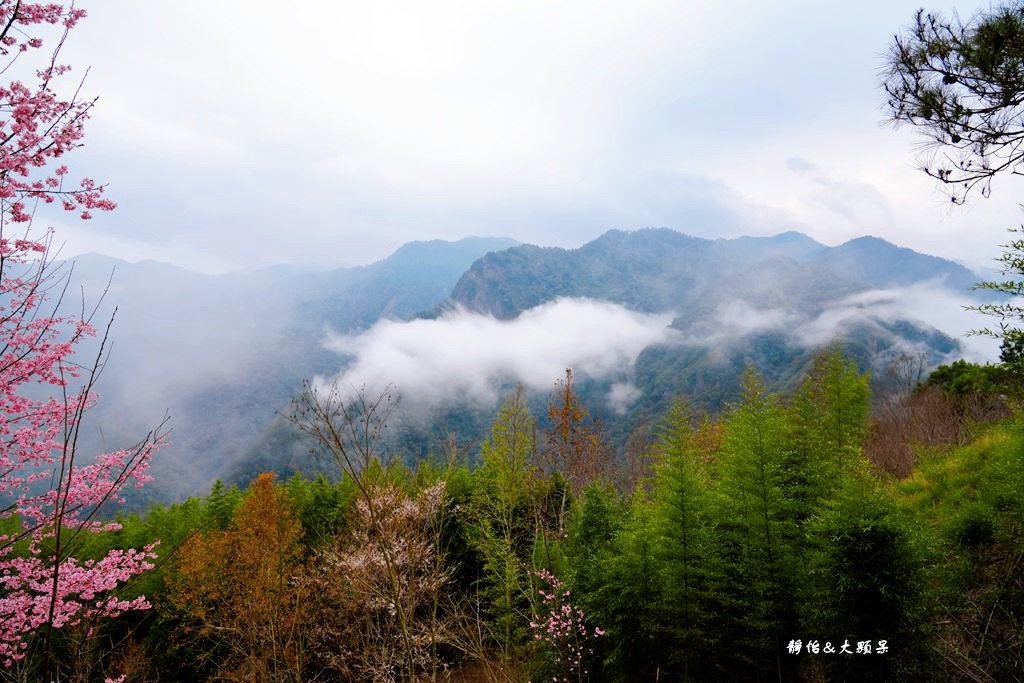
(224, 355)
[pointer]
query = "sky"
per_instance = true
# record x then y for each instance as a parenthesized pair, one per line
(327, 133)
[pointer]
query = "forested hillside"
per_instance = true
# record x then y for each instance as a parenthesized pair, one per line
(771, 542)
(650, 457)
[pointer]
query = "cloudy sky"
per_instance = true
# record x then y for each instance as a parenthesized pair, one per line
(237, 134)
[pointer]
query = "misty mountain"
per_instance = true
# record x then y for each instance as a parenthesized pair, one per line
(732, 298)
(221, 355)
(642, 317)
(524, 314)
(414, 278)
(660, 269)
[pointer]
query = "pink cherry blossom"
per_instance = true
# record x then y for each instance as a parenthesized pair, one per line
(563, 630)
(43, 483)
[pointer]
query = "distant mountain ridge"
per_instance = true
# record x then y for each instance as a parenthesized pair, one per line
(659, 269)
(222, 355)
(226, 354)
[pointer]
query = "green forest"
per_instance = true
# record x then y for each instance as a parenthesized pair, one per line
(809, 523)
(819, 535)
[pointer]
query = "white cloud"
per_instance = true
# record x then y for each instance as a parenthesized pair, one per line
(736, 319)
(465, 355)
(471, 356)
(924, 302)
(622, 395)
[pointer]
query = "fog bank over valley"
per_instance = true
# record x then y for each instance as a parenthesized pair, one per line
(638, 316)
(466, 355)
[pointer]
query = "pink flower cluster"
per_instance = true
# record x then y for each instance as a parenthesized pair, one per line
(35, 592)
(38, 125)
(54, 497)
(562, 628)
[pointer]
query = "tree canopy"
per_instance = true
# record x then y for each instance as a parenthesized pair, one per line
(962, 84)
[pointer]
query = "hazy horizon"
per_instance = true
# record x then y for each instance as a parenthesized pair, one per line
(547, 124)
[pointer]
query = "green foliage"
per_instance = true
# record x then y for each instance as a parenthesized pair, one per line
(593, 526)
(962, 83)
(970, 497)
(628, 603)
(973, 525)
(1009, 313)
(757, 531)
(321, 507)
(595, 521)
(829, 417)
(867, 583)
(962, 380)
(712, 380)
(221, 505)
(763, 527)
(502, 515)
(685, 527)
(714, 557)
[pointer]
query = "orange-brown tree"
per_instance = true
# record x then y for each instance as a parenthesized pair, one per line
(574, 446)
(237, 590)
(574, 452)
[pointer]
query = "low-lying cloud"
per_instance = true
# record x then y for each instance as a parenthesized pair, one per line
(736, 319)
(927, 303)
(466, 355)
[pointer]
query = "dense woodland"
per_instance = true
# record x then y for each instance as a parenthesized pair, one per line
(818, 535)
(816, 525)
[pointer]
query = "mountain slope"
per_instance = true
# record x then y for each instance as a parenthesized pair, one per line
(767, 302)
(876, 261)
(660, 269)
(221, 355)
(225, 355)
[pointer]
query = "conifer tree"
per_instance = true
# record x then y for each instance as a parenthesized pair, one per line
(757, 532)
(502, 515)
(684, 527)
(594, 525)
(221, 504)
(629, 603)
(865, 586)
(828, 418)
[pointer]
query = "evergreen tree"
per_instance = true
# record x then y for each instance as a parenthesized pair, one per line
(629, 603)
(961, 84)
(502, 514)
(321, 507)
(594, 524)
(683, 527)
(221, 504)
(828, 417)
(865, 587)
(757, 534)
